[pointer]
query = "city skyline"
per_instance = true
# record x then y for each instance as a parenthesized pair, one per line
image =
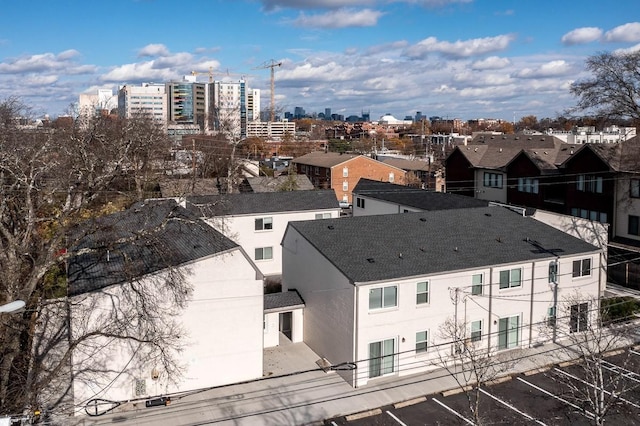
(461, 59)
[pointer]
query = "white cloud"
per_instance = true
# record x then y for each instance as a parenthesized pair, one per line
(460, 48)
(491, 63)
(153, 50)
(313, 4)
(139, 72)
(627, 33)
(632, 49)
(582, 35)
(46, 62)
(340, 18)
(549, 69)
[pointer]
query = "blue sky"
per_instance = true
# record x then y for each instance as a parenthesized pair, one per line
(452, 58)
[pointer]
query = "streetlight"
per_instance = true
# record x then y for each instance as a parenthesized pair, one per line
(12, 307)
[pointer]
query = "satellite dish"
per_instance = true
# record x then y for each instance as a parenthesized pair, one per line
(12, 307)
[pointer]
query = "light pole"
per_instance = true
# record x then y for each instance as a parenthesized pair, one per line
(12, 307)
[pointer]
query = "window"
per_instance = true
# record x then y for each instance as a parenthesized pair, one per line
(345, 172)
(422, 293)
(383, 297)
(579, 318)
(421, 341)
(508, 332)
(360, 202)
(589, 214)
(551, 316)
(381, 358)
(476, 284)
(476, 331)
(528, 185)
(323, 215)
(316, 171)
(511, 278)
(553, 271)
(492, 180)
(140, 387)
(581, 268)
(634, 225)
(391, 177)
(589, 183)
(264, 253)
(634, 190)
(264, 224)
(345, 185)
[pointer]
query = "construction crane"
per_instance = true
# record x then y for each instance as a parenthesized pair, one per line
(271, 64)
(210, 72)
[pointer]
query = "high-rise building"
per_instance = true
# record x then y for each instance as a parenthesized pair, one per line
(327, 113)
(187, 103)
(148, 98)
(229, 101)
(253, 105)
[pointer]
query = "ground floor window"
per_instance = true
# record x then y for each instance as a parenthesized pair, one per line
(579, 319)
(381, 357)
(509, 332)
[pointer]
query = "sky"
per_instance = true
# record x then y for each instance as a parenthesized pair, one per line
(463, 59)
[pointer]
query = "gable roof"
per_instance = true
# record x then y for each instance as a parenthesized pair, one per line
(285, 300)
(262, 202)
(418, 244)
(146, 238)
(409, 165)
(272, 184)
(413, 197)
(324, 159)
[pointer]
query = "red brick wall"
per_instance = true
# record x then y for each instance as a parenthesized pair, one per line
(363, 167)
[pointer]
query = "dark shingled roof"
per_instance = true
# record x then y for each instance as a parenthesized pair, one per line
(387, 247)
(413, 197)
(262, 202)
(281, 301)
(273, 184)
(146, 238)
(323, 159)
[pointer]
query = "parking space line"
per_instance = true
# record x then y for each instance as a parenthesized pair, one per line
(632, 375)
(395, 418)
(585, 412)
(594, 386)
(454, 412)
(634, 352)
(512, 407)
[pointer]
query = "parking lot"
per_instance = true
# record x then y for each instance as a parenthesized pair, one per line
(549, 397)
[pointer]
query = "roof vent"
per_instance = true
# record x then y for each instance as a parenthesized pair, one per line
(331, 227)
(422, 249)
(498, 239)
(423, 219)
(546, 153)
(400, 255)
(488, 214)
(500, 150)
(455, 249)
(371, 260)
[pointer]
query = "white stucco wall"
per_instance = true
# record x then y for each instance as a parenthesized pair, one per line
(271, 329)
(625, 206)
(223, 337)
(241, 229)
(375, 207)
(328, 296)
(593, 232)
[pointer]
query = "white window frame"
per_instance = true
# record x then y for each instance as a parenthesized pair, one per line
(506, 336)
(263, 224)
(345, 172)
(422, 342)
(263, 253)
(579, 317)
(476, 331)
(420, 293)
(477, 288)
(581, 268)
(510, 282)
(392, 177)
(383, 297)
(345, 185)
(326, 215)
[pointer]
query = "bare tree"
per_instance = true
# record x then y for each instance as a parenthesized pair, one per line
(470, 361)
(614, 89)
(588, 334)
(50, 181)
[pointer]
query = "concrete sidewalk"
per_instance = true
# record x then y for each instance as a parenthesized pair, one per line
(299, 393)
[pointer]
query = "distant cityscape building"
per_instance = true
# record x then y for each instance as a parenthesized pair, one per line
(148, 98)
(588, 134)
(271, 129)
(187, 101)
(102, 100)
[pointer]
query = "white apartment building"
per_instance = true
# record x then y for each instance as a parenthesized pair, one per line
(273, 130)
(148, 98)
(101, 100)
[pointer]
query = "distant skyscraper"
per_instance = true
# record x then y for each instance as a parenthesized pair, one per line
(298, 112)
(187, 102)
(230, 108)
(327, 113)
(419, 117)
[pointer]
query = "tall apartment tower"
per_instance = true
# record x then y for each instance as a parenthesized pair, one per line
(229, 105)
(187, 103)
(253, 105)
(148, 98)
(327, 113)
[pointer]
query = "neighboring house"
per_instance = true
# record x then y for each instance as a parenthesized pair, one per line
(279, 183)
(373, 197)
(148, 253)
(257, 221)
(377, 288)
(341, 172)
(421, 170)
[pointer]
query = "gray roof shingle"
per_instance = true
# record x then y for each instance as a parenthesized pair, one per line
(280, 301)
(262, 202)
(413, 197)
(146, 238)
(387, 247)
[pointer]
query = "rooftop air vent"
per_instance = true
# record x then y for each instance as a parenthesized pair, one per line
(488, 214)
(331, 227)
(423, 219)
(371, 260)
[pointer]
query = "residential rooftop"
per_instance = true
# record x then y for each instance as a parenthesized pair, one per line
(386, 247)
